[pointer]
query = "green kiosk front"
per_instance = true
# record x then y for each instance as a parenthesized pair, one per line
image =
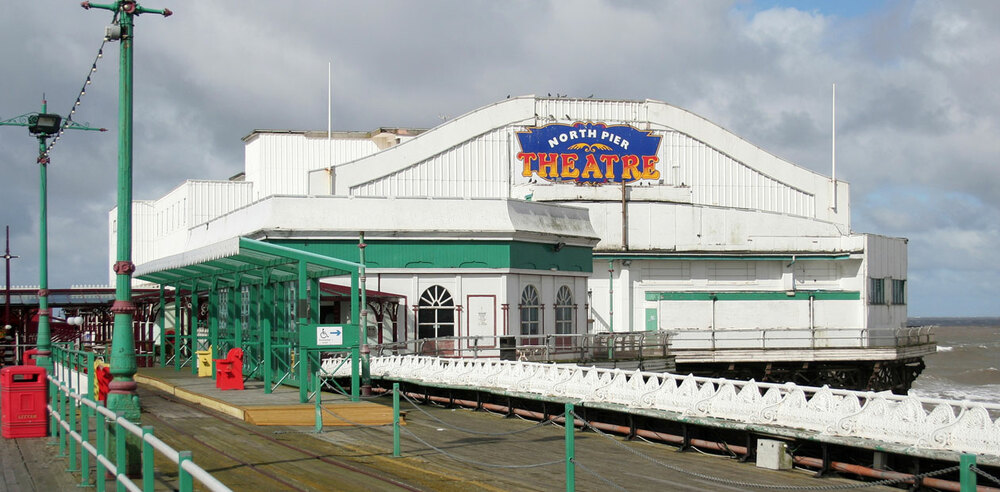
(327, 341)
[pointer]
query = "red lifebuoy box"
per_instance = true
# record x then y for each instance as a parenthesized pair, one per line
(103, 377)
(24, 392)
(30, 356)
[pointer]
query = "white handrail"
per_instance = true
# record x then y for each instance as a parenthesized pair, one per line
(928, 423)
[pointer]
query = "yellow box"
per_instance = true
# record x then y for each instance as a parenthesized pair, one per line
(204, 362)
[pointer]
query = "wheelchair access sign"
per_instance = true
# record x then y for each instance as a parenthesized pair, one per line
(330, 336)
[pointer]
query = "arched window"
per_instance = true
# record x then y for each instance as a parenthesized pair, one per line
(564, 310)
(436, 313)
(530, 309)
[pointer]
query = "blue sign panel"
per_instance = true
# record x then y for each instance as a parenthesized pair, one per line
(589, 153)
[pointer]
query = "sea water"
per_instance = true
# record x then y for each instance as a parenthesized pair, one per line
(967, 363)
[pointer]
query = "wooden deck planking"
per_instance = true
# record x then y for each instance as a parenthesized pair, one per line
(259, 408)
(362, 456)
(342, 414)
(249, 452)
(31, 464)
(424, 468)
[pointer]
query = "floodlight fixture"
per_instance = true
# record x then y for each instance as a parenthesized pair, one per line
(44, 124)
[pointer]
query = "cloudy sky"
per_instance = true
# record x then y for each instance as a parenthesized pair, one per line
(918, 113)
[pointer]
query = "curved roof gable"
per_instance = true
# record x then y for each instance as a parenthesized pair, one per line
(701, 163)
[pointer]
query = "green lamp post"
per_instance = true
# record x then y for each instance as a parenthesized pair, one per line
(43, 126)
(122, 395)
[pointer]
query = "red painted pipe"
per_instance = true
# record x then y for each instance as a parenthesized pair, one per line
(817, 463)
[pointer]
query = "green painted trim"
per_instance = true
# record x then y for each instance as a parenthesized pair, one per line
(652, 320)
(541, 256)
(798, 295)
(411, 253)
(671, 257)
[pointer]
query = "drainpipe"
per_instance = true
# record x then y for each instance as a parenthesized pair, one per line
(611, 295)
(812, 320)
(714, 327)
(624, 216)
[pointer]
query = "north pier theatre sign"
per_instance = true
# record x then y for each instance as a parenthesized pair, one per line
(589, 153)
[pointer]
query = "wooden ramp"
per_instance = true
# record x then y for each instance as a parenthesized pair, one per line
(252, 405)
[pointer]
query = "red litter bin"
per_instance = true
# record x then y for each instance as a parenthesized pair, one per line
(24, 393)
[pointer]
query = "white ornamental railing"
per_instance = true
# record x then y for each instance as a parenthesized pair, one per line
(959, 426)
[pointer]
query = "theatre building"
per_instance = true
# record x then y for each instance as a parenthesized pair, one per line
(548, 216)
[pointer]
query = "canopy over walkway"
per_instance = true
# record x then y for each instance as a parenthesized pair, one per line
(260, 297)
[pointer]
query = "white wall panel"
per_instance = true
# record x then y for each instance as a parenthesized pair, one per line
(478, 168)
(278, 163)
(554, 110)
(719, 180)
(210, 199)
(885, 258)
(486, 166)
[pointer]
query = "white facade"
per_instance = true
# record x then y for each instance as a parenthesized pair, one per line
(726, 238)
(748, 213)
(488, 301)
(161, 227)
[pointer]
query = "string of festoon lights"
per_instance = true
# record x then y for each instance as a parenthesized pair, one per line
(83, 91)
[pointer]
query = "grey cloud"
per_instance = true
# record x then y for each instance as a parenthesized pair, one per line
(915, 107)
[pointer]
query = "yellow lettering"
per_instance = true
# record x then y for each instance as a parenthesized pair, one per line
(630, 167)
(609, 161)
(591, 169)
(527, 157)
(649, 167)
(569, 169)
(548, 165)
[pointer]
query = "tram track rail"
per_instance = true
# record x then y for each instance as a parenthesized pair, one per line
(244, 458)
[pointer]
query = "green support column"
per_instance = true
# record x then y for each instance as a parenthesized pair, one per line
(43, 126)
(301, 313)
(71, 414)
(100, 431)
(84, 454)
(193, 328)
(967, 477)
(185, 481)
(237, 313)
(122, 397)
(162, 321)
(148, 467)
(569, 424)
(178, 324)
(44, 312)
(395, 420)
(319, 411)
(366, 380)
(355, 352)
(314, 299)
(213, 318)
(252, 330)
(252, 334)
(267, 325)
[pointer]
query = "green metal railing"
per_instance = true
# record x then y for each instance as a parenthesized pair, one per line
(966, 469)
(74, 371)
